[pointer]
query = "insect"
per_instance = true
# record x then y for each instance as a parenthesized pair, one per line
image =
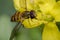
(21, 16)
(24, 15)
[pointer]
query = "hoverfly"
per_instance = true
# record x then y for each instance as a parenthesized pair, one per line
(18, 15)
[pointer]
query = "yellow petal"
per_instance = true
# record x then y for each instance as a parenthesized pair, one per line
(26, 23)
(29, 4)
(46, 5)
(19, 5)
(31, 23)
(50, 32)
(56, 12)
(39, 15)
(22, 5)
(16, 4)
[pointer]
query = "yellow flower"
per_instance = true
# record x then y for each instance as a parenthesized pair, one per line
(47, 11)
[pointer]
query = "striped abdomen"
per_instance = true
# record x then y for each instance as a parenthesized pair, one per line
(15, 17)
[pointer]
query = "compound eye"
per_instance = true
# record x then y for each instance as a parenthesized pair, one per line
(32, 14)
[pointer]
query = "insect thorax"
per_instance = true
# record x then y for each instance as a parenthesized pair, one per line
(28, 14)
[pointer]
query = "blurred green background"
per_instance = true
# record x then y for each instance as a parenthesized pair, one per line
(6, 11)
(6, 26)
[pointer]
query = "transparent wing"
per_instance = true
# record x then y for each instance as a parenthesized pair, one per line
(15, 30)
